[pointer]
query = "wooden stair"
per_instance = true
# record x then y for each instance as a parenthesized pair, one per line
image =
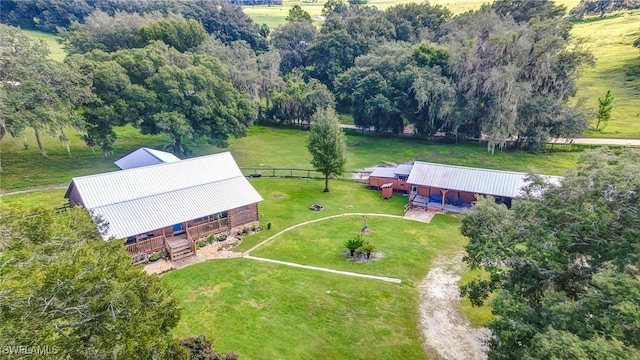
(180, 248)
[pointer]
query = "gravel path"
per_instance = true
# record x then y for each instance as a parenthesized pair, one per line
(444, 330)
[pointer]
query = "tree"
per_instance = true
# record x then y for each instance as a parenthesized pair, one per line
(201, 348)
(563, 263)
(327, 145)
(368, 249)
(514, 80)
(416, 22)
(292, 41)
(160, 90)
(225, 21)
(298, 101)
(105, 32)
(183, 35)
(605, 107)
(39, 93)
(66, 289)
(296, 14)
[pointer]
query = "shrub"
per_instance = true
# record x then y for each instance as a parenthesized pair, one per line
(202, 243)
(158, 256)
(212, 238)
(245, 230)
(354, 244)
(268, 226)
(254, 227)
(368, 248)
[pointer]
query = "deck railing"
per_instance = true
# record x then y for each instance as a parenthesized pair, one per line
(203, 230)
(145, 246)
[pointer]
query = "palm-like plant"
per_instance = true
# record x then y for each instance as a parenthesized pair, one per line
(368, 248)
(354, 244)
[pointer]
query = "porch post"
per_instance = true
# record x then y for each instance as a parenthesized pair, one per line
(444, 196)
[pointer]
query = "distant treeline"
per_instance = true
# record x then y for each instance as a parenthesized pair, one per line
(218, 17)
(257, 2)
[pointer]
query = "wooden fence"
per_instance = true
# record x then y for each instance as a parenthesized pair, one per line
(358, 176)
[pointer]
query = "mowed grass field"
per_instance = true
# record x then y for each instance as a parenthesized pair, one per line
(262, 147)
(270, 311)
(262, 310)
(406, 247)
(611, 40)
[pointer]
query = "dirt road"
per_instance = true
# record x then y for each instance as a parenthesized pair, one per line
(445, 331)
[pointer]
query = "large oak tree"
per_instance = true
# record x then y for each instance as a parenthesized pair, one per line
(563, 264)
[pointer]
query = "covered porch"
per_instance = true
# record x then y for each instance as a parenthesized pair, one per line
(442, 202)
(177, 244)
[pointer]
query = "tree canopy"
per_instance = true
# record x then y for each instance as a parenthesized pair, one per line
(563, 263)
(67, 290)
(38, 93)
(327, 144)
(160, 90)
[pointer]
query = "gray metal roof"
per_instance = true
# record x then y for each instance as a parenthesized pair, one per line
(384, 172)
(145, 157)
(474, 180)
(391, 172)
(142, 199)
(404, 169)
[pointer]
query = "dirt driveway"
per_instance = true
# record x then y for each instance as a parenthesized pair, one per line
(445, 331)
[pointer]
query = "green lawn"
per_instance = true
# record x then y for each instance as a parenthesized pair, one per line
(46, 198)
(407, 246)
(262, 310)
(478, 316)
(270, 311)
(26, 167)
(611, 40)
(287, 203)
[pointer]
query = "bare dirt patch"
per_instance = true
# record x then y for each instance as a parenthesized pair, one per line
(362, 257)
(444, 330)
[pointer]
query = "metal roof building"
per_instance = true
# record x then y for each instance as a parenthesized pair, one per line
(145, 157)
(472, 180)
(146, 198)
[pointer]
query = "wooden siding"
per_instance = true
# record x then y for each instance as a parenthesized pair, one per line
(241, 216)
(398, 185)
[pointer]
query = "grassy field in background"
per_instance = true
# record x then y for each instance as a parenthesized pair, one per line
(275, 16)
(56, 50)
(26, 167)
(611, 40)
(266, 146)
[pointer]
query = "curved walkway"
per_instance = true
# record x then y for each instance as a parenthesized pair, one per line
(313, 221)
(348, 273)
